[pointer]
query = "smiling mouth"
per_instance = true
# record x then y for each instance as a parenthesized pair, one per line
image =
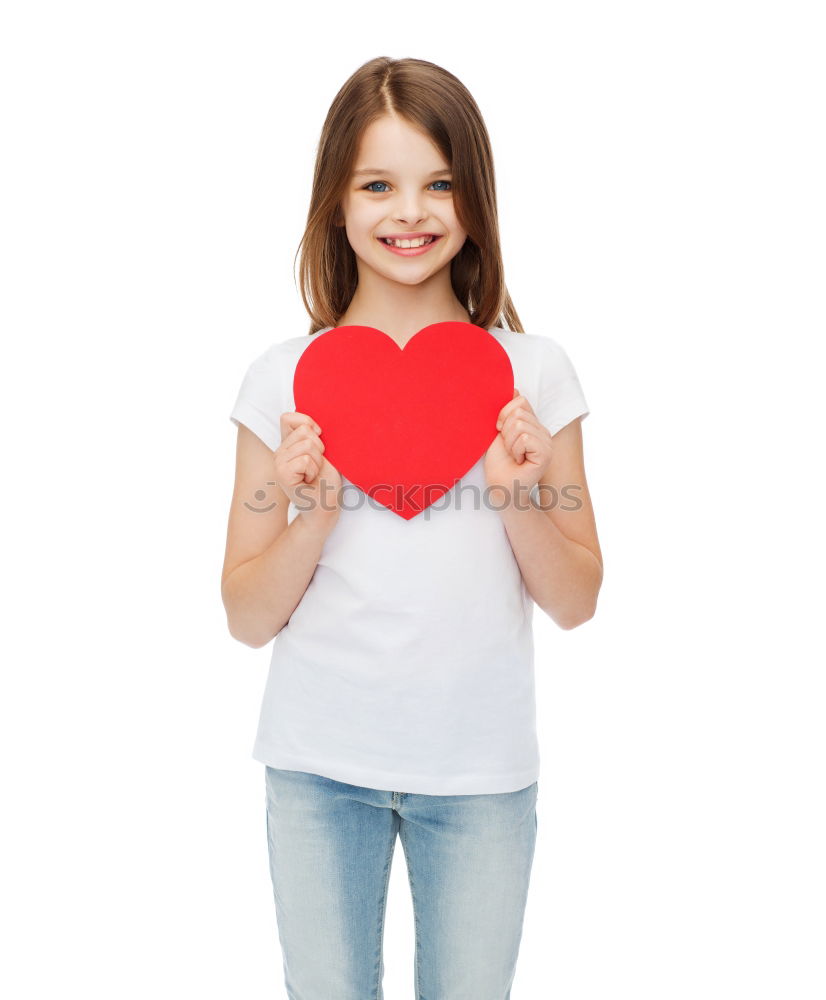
(410, 251)
(427, 240)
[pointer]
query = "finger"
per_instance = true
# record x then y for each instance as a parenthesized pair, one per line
(305, 446)
(306, 467)
(509, 408)
(302, 434)
(298, 468)
(525, 447)
(500, 419)
(291, 420)
(296, 459)
(518, 423)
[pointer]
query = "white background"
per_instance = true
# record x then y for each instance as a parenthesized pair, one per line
(660, 179)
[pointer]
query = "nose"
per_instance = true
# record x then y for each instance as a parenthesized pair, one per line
(409, 219)
(409, 211)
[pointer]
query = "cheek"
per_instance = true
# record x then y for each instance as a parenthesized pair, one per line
(458, 237)
(456, 229)
(367, 217)
(359, 224)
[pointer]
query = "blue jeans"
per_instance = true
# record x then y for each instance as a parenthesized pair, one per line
(469, 861)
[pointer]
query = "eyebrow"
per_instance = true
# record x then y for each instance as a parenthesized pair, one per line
(389, 173)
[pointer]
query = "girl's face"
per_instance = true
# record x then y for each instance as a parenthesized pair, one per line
(401, 185)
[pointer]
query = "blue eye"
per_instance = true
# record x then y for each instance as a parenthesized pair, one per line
(367, 187)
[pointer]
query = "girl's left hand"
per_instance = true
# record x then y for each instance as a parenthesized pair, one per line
(521, 451)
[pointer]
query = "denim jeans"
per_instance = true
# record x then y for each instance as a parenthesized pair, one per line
(469, 860)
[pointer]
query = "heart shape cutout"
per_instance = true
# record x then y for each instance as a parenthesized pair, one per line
(406, 424)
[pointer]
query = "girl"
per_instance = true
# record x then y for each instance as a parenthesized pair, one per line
(400, 697)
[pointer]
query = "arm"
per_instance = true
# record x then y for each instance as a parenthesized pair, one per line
(556, 548)
(268, 563)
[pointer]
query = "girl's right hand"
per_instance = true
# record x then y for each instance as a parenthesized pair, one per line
(300, 465)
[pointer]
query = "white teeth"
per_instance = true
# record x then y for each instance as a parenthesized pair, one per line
(408, 244)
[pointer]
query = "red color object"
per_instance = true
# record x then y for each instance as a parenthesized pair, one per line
(404, 425)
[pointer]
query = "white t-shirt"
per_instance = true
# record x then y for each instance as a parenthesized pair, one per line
(408, 664)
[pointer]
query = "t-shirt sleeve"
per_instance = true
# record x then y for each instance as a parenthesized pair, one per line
(259, 401)
(561, 398)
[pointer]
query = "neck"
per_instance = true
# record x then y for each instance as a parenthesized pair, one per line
(403, 314)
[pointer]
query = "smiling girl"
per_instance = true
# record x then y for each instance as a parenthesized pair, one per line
(400, 697)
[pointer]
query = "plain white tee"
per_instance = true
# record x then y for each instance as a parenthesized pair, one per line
(408, 664)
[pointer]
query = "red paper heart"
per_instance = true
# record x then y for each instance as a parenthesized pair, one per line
(404, 425)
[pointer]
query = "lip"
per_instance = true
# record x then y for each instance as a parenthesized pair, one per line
(406, 236)
(409, 251)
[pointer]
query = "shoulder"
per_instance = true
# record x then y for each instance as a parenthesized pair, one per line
(536, 349)
(281, 356)
(268, 380)
(545, 376)
(530, 341)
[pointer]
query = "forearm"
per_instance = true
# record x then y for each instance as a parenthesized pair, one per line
(562, 576)
(260, 595)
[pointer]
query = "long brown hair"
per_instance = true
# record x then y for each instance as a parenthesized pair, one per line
(438, 104)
